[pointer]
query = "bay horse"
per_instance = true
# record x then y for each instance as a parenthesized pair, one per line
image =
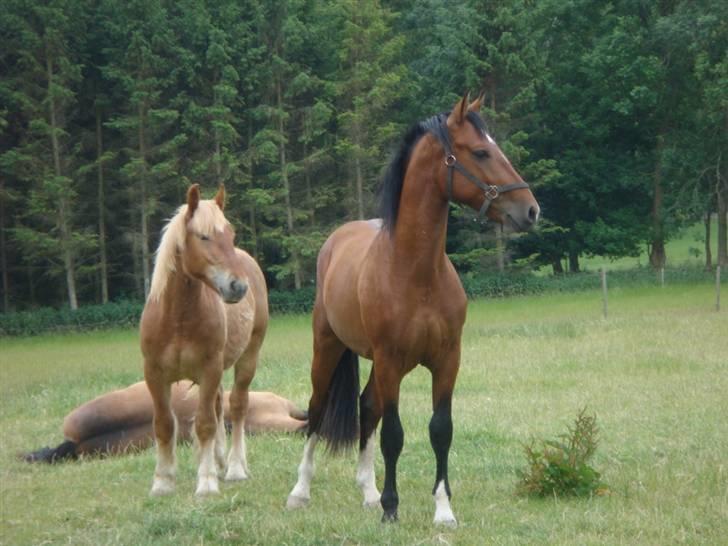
(207, 311)
(387, 291)
(120, 421)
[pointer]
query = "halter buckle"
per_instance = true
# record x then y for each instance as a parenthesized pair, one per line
(492, 192)
(450, 160)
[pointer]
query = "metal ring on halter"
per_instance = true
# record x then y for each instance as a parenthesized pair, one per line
(492, 192)
(450, 160)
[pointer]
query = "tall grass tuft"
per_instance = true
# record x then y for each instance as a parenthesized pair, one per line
(561, 467)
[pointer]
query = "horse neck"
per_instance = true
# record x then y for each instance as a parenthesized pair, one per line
(421, 229)
(182, 294)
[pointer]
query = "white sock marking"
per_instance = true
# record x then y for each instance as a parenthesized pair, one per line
(365, 474)
(301, 492)
(443, 512)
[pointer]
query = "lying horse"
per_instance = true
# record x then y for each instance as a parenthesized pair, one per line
(121, 421)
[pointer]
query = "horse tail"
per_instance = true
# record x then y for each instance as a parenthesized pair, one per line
(339, 424)
(65, 450)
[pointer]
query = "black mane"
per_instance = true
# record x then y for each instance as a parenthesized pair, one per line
(390, 192)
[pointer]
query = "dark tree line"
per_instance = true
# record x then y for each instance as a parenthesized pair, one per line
(616, 113)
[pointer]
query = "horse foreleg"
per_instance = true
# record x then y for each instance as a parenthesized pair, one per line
(165, 435)
(237, 463)
(443, 382)
(369, 417)
(206, 427)
(392, 436)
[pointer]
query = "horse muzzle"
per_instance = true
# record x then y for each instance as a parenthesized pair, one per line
(232, 289)
(523, 217)
(235, 291)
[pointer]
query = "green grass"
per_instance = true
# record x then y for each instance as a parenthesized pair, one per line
(655, 374)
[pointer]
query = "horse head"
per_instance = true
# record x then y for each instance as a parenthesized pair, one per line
(210, 254)
(479, 175)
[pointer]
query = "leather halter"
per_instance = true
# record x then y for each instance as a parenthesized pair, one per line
(437, 125)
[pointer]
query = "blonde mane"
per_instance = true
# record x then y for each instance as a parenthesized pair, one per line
(207, 219)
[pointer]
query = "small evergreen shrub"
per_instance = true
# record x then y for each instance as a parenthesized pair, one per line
(561, 467)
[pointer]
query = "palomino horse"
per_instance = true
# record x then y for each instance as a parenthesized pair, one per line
(387, 291)
(120, 421)
(207, 310)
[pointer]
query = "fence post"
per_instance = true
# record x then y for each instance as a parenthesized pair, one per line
(717, 288)
(662, 277)
(603, 275)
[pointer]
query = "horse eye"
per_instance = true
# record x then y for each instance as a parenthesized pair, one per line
(481, 154)
(204, 237)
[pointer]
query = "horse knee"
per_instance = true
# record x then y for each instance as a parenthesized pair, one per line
(205, 426)
(164, 427)
(238, 404)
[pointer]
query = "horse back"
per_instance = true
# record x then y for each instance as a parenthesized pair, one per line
(115, 416)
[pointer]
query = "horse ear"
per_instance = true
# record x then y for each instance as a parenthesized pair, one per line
(477, 103)
(193, 199)
(220, 197)
(457, 115)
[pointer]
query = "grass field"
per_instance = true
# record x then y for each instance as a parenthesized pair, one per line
(655, 373)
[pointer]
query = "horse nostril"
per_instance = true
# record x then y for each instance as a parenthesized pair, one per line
(238, 288)
(532, 214)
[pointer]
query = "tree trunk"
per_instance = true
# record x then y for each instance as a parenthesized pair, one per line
(143, 201)
(708, 252)
(657, 248)
(573, 261)
(286, 187)
(251, 210)
(63, 204)
(500, 248)
(253, 232)
(722, 227)
(218, 166)
(307, 174)
(103, 263)
(359, 187)
(557, 267)
(3, 257)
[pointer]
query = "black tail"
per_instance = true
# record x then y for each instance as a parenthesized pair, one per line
(66, 450)
(339, 424)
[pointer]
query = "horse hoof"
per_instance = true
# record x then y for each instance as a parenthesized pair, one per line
(162, 487)
(446, 521)
(207, 486)
(372, 503)
(295, 502)
(390, 517)
(236, 473)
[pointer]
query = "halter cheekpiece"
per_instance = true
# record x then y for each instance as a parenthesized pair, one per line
(437, 125)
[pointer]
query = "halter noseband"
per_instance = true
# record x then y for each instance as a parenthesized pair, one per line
(438, 126)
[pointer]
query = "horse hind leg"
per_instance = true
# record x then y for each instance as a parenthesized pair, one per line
(327, 353)
(220, 438)
(369, 417)
(165, 434)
